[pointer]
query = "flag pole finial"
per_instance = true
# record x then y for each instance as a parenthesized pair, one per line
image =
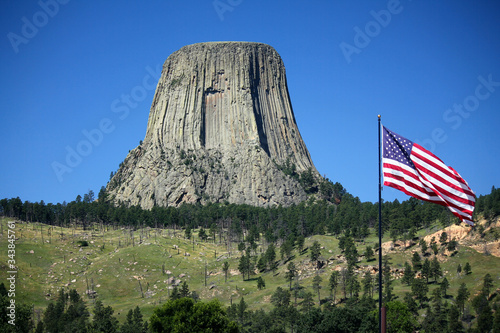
(378, 116)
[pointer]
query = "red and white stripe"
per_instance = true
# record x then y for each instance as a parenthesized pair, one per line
(433, 181)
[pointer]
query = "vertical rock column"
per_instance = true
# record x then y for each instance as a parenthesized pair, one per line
(220, 121)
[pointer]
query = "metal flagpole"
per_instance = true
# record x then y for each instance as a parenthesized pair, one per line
(381, 322)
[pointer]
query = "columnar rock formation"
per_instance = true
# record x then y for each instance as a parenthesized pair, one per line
(220, 125)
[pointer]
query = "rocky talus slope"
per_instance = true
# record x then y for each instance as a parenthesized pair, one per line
(220, 125)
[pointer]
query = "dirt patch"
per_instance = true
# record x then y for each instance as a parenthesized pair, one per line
(492, 248)
(462, 233)
(480, 245)
(458, 232)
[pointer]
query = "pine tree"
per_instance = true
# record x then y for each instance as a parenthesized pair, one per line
(435, 248)
(496, 322)
(187, 233)
(202, 234)
(411, 234)
(410, 302)
(241, 247)
(343, 239)
(367, 285)
(213, 231)
(307, 301)
(225, 268)
(416, 261)
(487, 284)
(244, 266)
(260, 283)
(443, 238)
(76, 313)
(69, 313)
(286, 250)
(262, 264)
(316, 284)
(300, 242)
(429, 324)
(354, 287)
(484, 313)
(290, 274)
(420, 289)
(242, 311)
(437, 301)
(426, 270)
(134, 322)
(280, 298)
(271, 256)
(333, 282)
(315, 251)
(52, 318)
(423, 246)
(452, 245)
(454, 322)
(408, 274)
(345, 275)
(103, 319)
(435, 269)
(184, 292)
(369, 253)
(40, 328)
(399, 317)
(462, 296)
(467, 268)
(444, 285)
(186, 315)
(387, 279)
(351, 254)
(175, 293)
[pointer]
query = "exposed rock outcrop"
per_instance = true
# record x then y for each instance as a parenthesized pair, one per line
(220, 124)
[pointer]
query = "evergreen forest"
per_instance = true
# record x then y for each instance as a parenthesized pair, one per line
(315, 263)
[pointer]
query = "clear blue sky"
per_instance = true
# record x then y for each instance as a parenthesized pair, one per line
(431, 69)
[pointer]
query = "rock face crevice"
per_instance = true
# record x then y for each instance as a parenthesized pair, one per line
(220, 122)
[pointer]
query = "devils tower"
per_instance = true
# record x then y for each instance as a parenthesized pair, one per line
(221, 127)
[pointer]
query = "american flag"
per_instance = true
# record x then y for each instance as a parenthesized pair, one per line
(409, 167)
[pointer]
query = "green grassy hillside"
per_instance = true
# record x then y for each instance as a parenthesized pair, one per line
(117, 264)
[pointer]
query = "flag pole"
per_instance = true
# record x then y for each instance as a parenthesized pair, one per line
(381, 321)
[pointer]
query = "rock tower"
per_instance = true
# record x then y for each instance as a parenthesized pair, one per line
(221, 127)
